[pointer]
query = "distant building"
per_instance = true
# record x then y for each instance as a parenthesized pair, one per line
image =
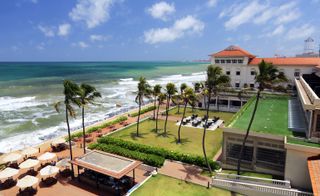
(241, 65)
(309, 49)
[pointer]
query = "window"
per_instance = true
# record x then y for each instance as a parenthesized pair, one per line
(240, 61)
(297, 73)
(233, 151)
(217, 61)
(234, 61)
(238, 73)
(281, 71)
(253, 72)
(228, 73)
(237, 84)
(251, 85)
(222, 61)
(228, 61)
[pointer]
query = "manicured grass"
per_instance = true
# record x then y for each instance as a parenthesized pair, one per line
(191, 138)
(226, 116)
(292, 140)
(271, 117)
(162, 185)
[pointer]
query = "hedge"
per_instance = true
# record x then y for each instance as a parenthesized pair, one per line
(149, 159)
(95, 128)
(144, 110)
(166, 154)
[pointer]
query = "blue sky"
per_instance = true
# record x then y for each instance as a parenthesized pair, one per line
(106, 30)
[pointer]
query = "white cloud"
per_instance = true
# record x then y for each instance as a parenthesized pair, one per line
(212, 3)
(186, 25)
(277, 31)
(64, 29)
(41, 46)
(161, 10)
(300, 32)
(34, 1)
(80, 44)
(94, 38)
(92, 12)
(46, 30)
(288, 17)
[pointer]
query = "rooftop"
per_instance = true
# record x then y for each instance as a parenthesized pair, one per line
(288, 61)
(233, 51)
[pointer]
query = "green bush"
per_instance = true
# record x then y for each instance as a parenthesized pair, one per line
(95, 128)
(149, 159)
(144, 110)
(166, 154)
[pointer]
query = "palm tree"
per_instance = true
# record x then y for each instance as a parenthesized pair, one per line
(267, 77)
(71, 90)
(156, 92)
(215, 77)
(183, 86)
(161, 98)
(170, 91)
(187, 97)
(144, 90)
(87, 94)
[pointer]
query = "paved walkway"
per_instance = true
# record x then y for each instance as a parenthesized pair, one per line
(186, 172)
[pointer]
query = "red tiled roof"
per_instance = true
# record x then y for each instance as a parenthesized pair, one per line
(233, 51)
(314, 172)
(288, 61)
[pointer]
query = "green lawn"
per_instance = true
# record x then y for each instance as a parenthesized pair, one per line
(226, 116)
(292, 140)
(271, 117)
(191, 137)
(162, 185)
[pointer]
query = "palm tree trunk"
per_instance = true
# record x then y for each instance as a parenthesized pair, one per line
(167, 108)
(138, 120)
(178, 108)
(157, 116)
(183, 115)
(155, 107)
(247, 133)
(204, 101)
(83, 132)
(204, 137)
(70, 145)
(218, 103)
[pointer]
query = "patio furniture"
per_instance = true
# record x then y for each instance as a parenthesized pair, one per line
(29, 164)
(8, 173)
(27, 182)
(47, 157)
(48, 171)
(30, 152)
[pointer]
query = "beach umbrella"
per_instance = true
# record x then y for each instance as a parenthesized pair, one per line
(58, 141)
(27, 181)
(12, 157)
(29, 163)
(47, 156)
(64, 163)
(49, 171)
(8, 173)
(30, 151)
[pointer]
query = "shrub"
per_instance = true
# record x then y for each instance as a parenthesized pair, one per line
(144, 110)
(166, 154)
(95, 128)
(149, 159)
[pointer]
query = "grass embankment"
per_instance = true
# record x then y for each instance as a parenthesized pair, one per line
(243, 173)
(163, 185)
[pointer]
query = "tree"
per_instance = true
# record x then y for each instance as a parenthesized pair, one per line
(215, 77)
(156, 92)
(144, 90)
(71, 90)
(87, 95)
(267, 77)
(170, 91)
(161, 98)
(183, 86)
(187, 97)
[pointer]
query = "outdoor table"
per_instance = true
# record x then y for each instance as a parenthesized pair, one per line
(27, 182)
(48, 171)
(58, 141)
(28, 152)
(8, 173)
(29, 164)
(12, 158)
(48, 156)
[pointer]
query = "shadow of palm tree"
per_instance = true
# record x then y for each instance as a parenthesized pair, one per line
(134, 136)
(163, 134)
(183, 141)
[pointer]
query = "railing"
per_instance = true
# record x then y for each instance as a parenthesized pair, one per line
(254, 180)
(311, 94)
(254, 188)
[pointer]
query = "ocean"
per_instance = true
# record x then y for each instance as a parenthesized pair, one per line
(28, 91)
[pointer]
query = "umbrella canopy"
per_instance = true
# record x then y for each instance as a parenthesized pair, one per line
(47, 156)
(64, 163)
(30, 151)
(12, 157)
(8, 173)
(27, 181)
(49, 171)
(58, 141)
(29, 163)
